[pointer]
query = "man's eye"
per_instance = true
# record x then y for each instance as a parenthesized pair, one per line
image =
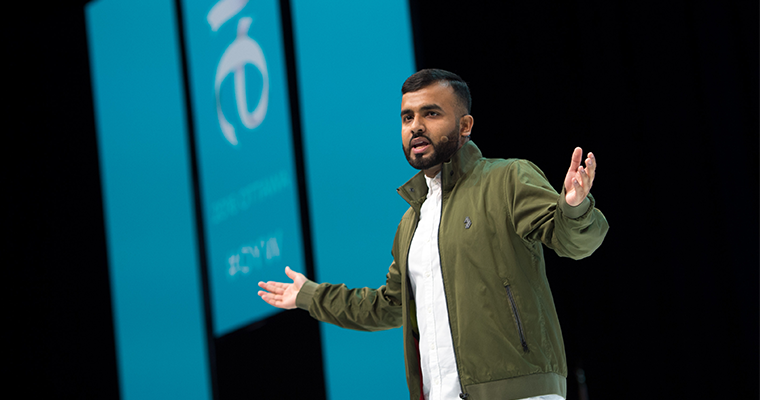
(432, 113)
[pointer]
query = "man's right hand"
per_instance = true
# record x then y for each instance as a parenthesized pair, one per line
(283, 295)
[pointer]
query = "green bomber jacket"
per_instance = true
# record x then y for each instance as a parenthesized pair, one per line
(496, 214)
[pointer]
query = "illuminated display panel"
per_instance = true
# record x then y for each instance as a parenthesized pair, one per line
(249, 190)
(352, 58)
(147, 199)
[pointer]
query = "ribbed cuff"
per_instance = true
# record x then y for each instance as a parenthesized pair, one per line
(577, 211)
(303, 300)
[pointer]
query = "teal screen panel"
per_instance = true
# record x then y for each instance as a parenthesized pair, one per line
(147, 197)
(249, 190)
(352, 58)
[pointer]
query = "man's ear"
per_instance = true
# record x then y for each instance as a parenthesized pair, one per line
(465, 125)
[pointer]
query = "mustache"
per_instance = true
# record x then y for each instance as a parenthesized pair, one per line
(444, 139)
(418, 135)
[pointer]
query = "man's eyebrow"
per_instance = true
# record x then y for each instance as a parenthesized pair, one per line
(426, 107)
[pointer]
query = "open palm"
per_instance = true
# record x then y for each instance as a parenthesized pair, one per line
(579, 180)
(282, 295)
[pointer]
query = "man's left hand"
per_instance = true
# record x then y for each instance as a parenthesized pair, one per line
(579, 179)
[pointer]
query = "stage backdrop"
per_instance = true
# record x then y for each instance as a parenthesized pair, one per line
(351, 60)
(145, 173)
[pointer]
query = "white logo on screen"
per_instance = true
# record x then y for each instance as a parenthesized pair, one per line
(254, 256)
(241, 52)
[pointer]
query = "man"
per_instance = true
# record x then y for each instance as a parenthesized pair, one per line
(468, 282)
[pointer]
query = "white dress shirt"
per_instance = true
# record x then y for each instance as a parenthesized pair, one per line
(440, 379)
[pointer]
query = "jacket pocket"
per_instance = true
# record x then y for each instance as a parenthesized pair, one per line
(518, 321)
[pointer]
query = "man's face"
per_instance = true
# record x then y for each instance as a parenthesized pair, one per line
(430, 128)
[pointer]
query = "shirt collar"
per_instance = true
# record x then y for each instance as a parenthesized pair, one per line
(413, 191)
(433, 184)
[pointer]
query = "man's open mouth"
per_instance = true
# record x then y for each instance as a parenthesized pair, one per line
(419, 145)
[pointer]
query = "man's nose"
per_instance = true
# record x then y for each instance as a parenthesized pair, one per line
(417, 126)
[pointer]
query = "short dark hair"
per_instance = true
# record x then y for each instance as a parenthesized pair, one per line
(427, 77)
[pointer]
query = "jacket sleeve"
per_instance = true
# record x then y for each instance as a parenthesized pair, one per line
(364, 309)
(539, 213)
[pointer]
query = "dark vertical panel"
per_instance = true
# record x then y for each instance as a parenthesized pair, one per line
(666, 95)
(61, 339)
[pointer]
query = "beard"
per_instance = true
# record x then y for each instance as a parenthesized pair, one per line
(442, 150)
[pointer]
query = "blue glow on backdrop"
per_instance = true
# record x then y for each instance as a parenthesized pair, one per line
(245, 153)
(150, 226)
(352, 58)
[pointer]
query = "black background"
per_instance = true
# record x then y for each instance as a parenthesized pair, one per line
(664, 93)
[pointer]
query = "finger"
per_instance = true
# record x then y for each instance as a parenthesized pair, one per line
(278, 285)
(290, 273)
(580, 191)
(267, 286)
(267, 297)
(271, 298)
(585, 180)
(274, 287)
(591, 165)
(575, 161)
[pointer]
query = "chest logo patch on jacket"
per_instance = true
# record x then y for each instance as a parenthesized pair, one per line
(467, 223)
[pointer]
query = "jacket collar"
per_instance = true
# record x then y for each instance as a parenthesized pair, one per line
(462, 162)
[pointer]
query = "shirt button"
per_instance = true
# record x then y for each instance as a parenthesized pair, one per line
(427, 274)
(430, 309)
(432, 347)
(436, 381)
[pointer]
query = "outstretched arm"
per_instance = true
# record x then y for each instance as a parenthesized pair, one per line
(578, 180)
(364, 309)
(570, 225)
(283, 295)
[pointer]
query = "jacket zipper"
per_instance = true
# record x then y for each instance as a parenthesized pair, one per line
(411, 293)
(512, 303)
(409, 283)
